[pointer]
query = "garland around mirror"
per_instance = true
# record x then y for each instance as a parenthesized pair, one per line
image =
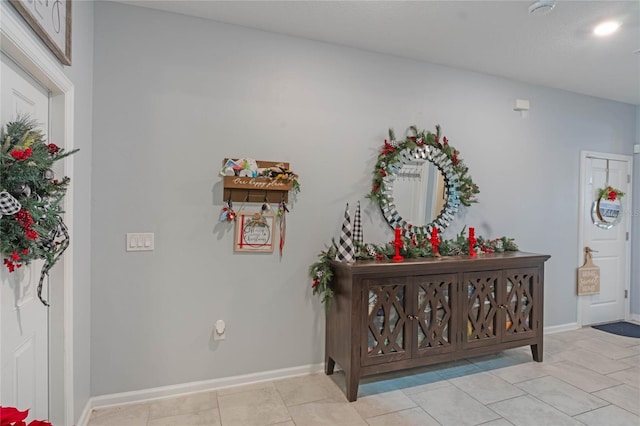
(426, 146)
(416, 240)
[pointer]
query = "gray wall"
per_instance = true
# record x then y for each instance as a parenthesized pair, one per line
(81, 74)
(174, 96)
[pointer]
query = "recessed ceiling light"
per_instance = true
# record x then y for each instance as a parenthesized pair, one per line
(541, 7)
(606, 28)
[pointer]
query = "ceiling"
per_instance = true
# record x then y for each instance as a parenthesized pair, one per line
(557, 49)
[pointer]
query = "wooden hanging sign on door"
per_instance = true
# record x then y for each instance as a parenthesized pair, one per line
(588, 275)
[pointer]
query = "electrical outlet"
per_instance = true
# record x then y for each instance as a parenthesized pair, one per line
(220, 330)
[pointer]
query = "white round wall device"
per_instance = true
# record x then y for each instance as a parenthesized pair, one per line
(541, 7)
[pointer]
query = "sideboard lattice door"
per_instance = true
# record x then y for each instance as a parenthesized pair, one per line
(482, 308)
(387, 324)
(435, 319)
(521, 285)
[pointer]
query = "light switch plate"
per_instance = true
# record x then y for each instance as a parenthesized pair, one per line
(140, 241)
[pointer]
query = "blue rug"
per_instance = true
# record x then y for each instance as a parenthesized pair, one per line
(621, 328)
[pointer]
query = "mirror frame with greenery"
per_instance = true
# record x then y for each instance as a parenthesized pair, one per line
(609, 195)
(460, 188)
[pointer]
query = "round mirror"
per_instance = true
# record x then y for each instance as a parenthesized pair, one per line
(405, 207)
(419, 191)
(606, 213)
(420, 183)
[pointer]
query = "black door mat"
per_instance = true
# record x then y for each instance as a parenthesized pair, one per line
(621, 328)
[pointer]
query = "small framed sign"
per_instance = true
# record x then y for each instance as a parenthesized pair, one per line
(51, 20)
(254, 232)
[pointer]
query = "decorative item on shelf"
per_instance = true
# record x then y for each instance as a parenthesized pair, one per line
(416, 246)
(31, 224)
(346, 249)
(229, 168)
(10, 416)
(249, 168)
(398, 244)
(450, 175)
(472, 242)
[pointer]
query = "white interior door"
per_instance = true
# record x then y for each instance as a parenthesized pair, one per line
(23, 318)
(611, 246)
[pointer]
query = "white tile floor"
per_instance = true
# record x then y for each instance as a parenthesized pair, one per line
(588, 377)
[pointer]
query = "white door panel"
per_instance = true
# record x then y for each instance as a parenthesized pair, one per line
(23, 318)
(611, 247)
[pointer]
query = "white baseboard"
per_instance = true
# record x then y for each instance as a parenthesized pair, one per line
(143, 395)
(86, 413)
(635, 317)
(560, 328)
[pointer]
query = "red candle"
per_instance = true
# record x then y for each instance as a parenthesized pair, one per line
(472, 241)
(398, 245)
(435, 242)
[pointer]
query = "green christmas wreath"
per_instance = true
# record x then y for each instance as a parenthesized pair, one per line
(390, 156)
(31, 225)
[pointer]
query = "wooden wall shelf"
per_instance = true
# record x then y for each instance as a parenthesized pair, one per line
(257, 189)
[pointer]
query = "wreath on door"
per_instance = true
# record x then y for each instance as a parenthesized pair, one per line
(610, 193)
(31, 197)
(606, 210)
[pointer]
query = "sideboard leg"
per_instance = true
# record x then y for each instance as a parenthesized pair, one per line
(329, 364)
(536, 351)
(352, 386)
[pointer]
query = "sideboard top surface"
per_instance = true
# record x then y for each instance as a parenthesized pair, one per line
(439, 264)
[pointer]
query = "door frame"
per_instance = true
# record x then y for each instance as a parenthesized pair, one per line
(584, 155)
(21, 44)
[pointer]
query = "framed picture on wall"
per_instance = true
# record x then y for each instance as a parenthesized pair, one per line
(254, 232)
(51, 21)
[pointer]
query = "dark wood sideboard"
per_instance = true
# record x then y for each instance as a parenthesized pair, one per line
(388, 316)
